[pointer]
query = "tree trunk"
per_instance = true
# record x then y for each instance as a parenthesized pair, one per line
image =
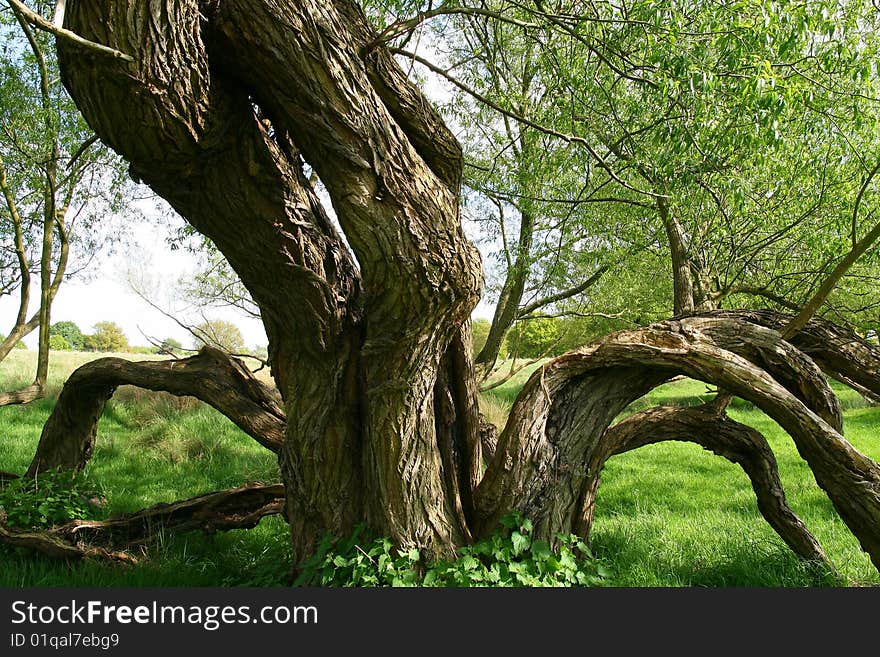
(222, 106)
(356, 347)
(508, 306)
(682, 281)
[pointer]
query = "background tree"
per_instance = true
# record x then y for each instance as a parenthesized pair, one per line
(170, 347)
(107, 336)
(58, 343)
(70, 332)
(220, 334)
(56, 178)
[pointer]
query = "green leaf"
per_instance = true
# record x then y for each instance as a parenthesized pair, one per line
(520, 543)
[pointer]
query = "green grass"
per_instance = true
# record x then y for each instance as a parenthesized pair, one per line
(666, 515)
(151, 447)
(674, 514)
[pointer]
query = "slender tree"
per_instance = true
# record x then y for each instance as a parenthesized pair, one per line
(54, 175)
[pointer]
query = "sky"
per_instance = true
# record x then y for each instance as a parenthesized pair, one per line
(103, 293)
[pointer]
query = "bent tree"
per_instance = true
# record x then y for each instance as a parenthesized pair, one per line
(220, 109)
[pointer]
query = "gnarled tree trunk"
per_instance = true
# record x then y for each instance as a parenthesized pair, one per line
(220, 110)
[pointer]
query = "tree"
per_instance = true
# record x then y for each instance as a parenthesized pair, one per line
(59, 343)
(220, 334)
(170, 347)
(537, 337)
(369, 336)
(107, 336)
(56, 180)
(71, 334)
(479, 332)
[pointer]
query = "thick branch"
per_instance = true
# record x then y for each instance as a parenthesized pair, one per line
(838, 351)
(719, 434)
(234, 508)
(566, 406)
(223, 382)
(23, 395)
(56, 547)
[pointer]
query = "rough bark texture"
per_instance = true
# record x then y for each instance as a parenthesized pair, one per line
(839, 352)
(356, 349)
(56, 547)
(23, 395)
(223, 382)
(719, 434)
(223, 106)
(235, 508)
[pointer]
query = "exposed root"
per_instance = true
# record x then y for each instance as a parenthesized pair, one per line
(235, 508)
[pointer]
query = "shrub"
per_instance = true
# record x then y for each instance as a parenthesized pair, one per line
(58, 343)
(510, 557)
(50, 499)
(20, 345)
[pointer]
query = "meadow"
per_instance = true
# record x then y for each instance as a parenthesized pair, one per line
(667, 515)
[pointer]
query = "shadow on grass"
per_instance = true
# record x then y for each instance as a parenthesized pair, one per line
(734, 562)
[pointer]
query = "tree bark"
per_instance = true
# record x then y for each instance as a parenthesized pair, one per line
(564, 409)
(839, 352)
(235, 508)
(241, 507)
(220, 110)
(682, 281)
(356, 347)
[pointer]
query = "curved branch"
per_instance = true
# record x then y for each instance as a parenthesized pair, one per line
(719, 434)
(211, 376)
(838, 352)
(564, 409)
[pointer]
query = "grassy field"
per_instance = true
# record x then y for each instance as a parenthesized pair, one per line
(667, 515)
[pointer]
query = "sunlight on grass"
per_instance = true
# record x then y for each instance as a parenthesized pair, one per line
(666, 515)
(151, 447)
